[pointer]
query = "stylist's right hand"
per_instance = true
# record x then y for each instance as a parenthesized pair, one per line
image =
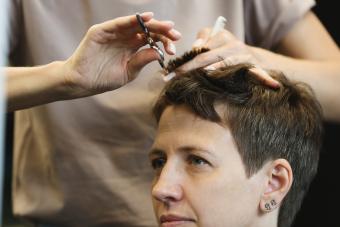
(109, 57)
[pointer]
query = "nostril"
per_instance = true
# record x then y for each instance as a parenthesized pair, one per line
(159, 194)
(167, 193)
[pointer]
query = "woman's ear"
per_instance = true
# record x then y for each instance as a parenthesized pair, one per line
(280, 179)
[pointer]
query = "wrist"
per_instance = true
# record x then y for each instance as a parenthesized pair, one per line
(62, 87)
(68, 85)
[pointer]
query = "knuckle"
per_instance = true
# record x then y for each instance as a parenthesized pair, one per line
(224, 35)
(93, 29)
(204, 32)
(228, 33)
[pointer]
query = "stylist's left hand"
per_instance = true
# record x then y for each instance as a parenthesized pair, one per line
(226, 49)
(109, 55)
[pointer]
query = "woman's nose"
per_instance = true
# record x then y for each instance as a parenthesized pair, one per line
(167, 187)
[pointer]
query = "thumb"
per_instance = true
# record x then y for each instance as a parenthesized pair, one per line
(202, 37)
(139, 60)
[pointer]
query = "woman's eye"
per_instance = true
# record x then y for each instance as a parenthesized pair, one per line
(158, 163)
(197, 161)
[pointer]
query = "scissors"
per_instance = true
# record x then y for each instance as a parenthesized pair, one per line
(150, 41)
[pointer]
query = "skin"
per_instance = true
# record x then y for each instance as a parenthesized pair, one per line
(112, 47)
(306, 53)
(200, 179)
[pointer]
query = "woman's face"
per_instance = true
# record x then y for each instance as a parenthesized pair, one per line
(199, 178)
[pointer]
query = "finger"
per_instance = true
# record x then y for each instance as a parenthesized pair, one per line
(202, 37)
(168, 45)
(264, 77)
(140, 40)
(216, 65)
(231, 60)
(160, 27)
(164, 28)
(203, 60)
(146, 16)
(123, 27)
(221, 38)
(125, 23)
(139, 60)
(256, 71)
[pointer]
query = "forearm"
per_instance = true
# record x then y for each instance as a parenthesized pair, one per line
(322, 75)
(32, 86)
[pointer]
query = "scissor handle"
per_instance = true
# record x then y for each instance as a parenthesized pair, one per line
(150, 41)
(141, 23)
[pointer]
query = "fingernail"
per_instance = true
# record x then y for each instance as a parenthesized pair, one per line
(198, 43)
(147, 14)
(175, 33)
(270, 80)
(172, 48)
(169, 22)
(260, 72)
(168, 77)
(210, 68)
(276, 84)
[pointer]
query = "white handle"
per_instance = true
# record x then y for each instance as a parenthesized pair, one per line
(219, 25)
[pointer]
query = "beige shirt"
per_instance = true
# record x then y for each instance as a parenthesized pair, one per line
(84, 162)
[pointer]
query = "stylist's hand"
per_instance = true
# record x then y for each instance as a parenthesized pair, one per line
(109, 57)
(226, 49)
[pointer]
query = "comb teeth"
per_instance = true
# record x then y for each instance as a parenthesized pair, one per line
(186, 57)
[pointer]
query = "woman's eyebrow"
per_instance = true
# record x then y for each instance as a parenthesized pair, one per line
(156, 152)
(192, 148)
(183, 149)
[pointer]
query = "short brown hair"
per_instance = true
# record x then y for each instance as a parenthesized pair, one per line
(266, 123)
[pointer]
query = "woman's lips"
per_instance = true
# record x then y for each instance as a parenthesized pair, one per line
(173, 220)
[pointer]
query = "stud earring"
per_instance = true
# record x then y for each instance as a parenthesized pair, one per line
(269, 206)
(273, 202)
